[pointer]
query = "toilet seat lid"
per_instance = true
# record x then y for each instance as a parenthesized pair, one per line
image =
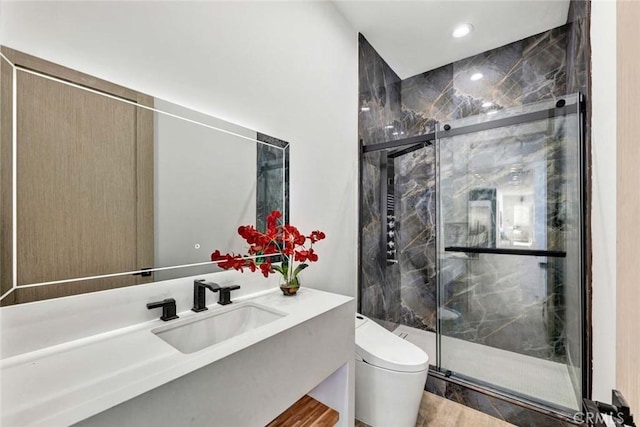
(382, 348)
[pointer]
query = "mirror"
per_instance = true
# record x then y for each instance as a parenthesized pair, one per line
(109, 187)
(242, 172)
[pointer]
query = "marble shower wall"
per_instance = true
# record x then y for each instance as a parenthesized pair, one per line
(537, 68)
(379, 108)
(379, 97)
(519, 73)
(272, 175)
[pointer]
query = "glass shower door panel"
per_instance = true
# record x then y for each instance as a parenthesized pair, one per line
(509, 258)
(499, 189)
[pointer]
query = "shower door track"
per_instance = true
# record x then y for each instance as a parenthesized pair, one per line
(560, 110)
(428, 138)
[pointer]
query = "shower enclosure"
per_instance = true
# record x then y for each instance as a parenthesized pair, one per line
(472, 247)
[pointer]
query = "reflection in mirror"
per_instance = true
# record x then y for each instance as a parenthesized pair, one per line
(112, 188)
(273, 179)
(208, 184)
(516, 213)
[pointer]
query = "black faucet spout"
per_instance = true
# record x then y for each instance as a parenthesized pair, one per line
(199, 298)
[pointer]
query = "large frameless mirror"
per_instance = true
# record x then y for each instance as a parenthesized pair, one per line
(105, 187)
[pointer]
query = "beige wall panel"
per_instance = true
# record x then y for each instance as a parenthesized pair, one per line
(144, 181)
(6, 131)
(76, 182)
(68, 74)
(628, 203)
(85, 182)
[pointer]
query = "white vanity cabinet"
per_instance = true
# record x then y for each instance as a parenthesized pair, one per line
(131, 377)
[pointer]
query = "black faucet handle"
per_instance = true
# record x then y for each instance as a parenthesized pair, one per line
(225, 294)
(168, 308)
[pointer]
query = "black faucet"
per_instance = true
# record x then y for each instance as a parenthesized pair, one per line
(168, 308)
(199, 288)
(225, 294)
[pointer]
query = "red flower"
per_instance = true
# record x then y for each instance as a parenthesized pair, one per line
(301, 256)
(272, 220)
(316, 235)
(252, 266)
(215, 256)
(266, 269)
(286, 240)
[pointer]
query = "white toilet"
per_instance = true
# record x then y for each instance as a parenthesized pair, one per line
(390, 376)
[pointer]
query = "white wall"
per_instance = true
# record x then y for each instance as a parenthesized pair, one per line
(603, 206)
(287, 69)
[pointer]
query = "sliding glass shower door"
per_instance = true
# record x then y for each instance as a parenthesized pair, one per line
(510, 239)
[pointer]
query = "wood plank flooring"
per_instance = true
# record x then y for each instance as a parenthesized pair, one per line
(436, 411)
(306, 412)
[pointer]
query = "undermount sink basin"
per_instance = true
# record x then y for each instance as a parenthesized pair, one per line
(204, 330)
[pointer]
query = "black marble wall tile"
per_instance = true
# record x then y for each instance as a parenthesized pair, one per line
(380, 284)
(426, 99)
(501, 83)
(378, 121)
(379, 97)
(416, 237)
(525, 71)
(544, 65)
(402, 290)
(272, 169)
(515, 414)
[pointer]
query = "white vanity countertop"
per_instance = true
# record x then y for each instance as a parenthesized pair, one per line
(66, 383)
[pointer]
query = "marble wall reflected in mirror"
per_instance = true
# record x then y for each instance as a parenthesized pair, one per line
(107, 187)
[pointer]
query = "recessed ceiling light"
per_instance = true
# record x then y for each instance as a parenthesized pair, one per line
(476, 76)
(365, 109)
(462, 30)
(388, 127)
(487, 104)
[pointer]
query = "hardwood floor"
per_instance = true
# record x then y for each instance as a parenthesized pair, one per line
(436, 411)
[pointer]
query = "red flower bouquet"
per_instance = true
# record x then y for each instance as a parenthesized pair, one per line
(283, 240)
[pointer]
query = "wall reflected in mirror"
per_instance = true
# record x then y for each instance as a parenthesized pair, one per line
(99, 180)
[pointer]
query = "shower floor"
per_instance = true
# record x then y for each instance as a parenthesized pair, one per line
(538, 378)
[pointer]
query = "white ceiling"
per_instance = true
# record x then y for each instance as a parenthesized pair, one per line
(415, 36)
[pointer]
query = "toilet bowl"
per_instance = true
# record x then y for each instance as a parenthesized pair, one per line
(390, 376)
